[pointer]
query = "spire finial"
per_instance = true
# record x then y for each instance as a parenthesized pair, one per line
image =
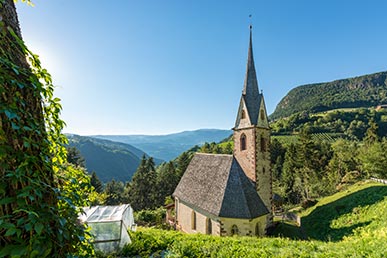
(251, 23)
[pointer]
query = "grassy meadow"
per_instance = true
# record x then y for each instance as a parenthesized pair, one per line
(351, 223)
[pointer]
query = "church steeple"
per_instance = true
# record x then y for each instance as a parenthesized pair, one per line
(251, 84)
(251, 98)
(252, 133)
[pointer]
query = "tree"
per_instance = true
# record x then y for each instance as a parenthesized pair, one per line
(38, 198)
(182, 163)
(290, 174)
(96, 183)
(167, 180)
(114, 193)
(373, 159)
(228, 149)
(371, 133)
(206, 148)
(344, 160)
(142, 191)
(277, 156)
(75, 157)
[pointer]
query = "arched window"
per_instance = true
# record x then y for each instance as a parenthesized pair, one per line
(208, 226)
(243, 115)
(262, 114)
(234, 230)
(263, 170)
(263, 144)
(257, 229)
(243, 142)
(193, 220)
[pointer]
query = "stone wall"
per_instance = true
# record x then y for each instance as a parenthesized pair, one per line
(246, 158)
(245, 227)
(263, 167)
(184, 220)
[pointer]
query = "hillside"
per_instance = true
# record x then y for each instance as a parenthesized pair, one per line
(110, 160)
(168, 147)
(347, 123)
(351, 223)
(356, 212)
(363, 91)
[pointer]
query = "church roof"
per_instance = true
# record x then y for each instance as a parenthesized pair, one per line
(250, 92)
(218, 185)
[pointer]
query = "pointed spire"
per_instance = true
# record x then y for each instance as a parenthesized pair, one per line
(251, 83)
(250, 91)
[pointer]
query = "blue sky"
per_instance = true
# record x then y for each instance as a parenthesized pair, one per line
(157, 67)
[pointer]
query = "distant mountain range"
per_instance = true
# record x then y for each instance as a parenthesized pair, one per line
(110, 160)
(168, 147)
(118, 156)
(362, 91)
(112, 157)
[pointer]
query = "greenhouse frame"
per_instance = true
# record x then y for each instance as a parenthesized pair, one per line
(109, 225)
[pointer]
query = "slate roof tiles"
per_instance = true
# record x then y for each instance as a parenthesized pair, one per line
(217, 184)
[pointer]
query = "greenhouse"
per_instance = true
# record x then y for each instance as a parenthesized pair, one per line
(109, 225)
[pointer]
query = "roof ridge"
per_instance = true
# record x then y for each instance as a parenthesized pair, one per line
(212, 154)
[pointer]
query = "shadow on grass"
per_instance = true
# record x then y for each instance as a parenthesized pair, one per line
(287, 230)
(317, 225)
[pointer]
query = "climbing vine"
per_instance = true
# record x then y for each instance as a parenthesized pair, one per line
(40, 194)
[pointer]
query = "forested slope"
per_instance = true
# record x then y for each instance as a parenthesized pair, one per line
(110, 160)
(363, 91)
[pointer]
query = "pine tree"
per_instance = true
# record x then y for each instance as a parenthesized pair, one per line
(96, 183)
(142, 191)
(290, 174)
(167, 180)
(114, 191)
(75, 157)
(182, 163)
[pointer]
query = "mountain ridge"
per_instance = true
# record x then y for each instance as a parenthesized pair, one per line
(110, 160)
(360, 91)
(169, 146)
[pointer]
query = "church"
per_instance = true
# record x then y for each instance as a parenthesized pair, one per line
(227, 195)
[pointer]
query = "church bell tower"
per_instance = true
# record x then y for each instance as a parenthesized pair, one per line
(252, 133)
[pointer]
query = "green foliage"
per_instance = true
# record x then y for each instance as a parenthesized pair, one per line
(183, 161)
(166, 181)
(74, 157)
(144, 243)
(142, 191)
(114, 191)
(351, 223)
(330, 126)
(96, 183)
(357, 212)
(39, 193)
(286, 139)
(150, 217)
(363, 91)
(148, 241)
(217, 148)
(343, 162)
(373, 159)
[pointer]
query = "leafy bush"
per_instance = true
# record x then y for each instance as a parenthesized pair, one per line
(150, 217)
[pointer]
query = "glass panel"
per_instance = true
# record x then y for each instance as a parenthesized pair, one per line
(103, 231)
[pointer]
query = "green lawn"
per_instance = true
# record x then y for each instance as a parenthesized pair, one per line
(352, 223)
